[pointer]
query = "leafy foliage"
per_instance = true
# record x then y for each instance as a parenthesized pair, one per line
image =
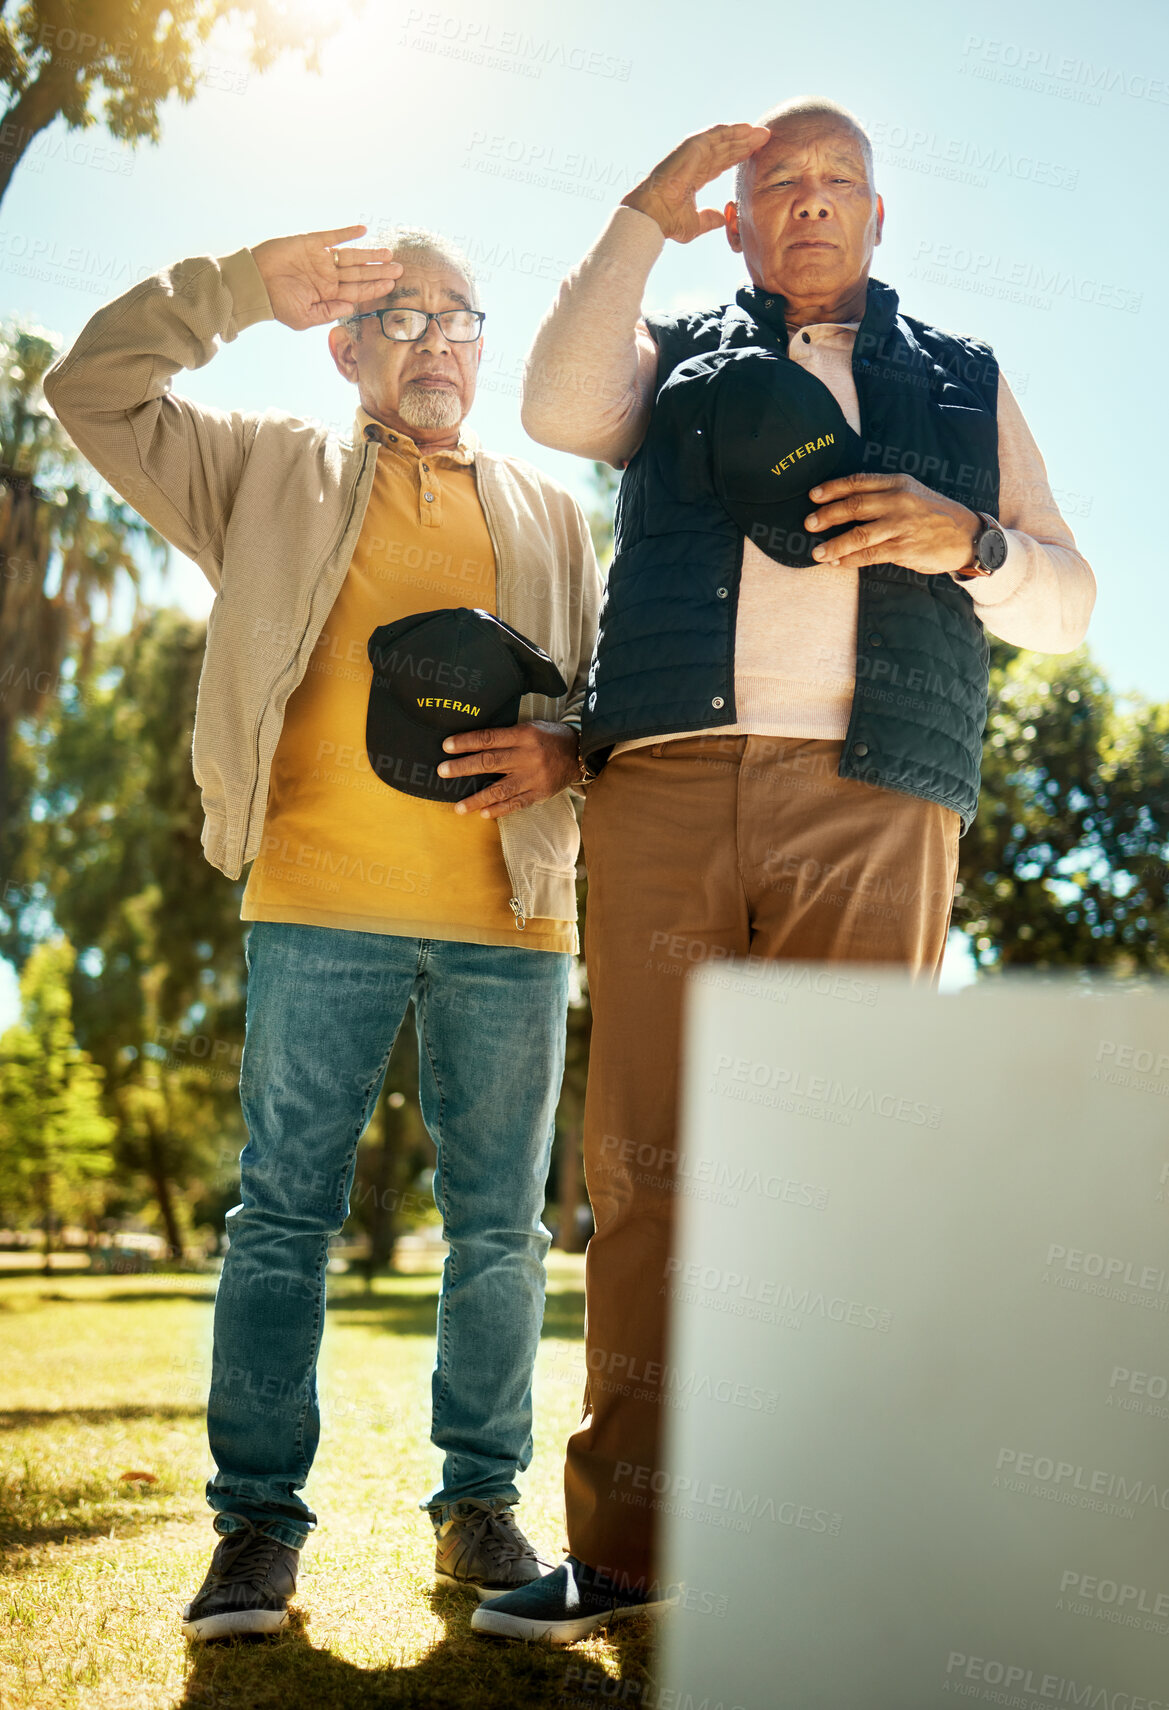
(110, 847)
(1065, 865)
(605, 482)
(65, 543)
(54, 1137)
(115, 62)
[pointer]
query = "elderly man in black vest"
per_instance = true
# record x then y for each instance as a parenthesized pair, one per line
(825, 503)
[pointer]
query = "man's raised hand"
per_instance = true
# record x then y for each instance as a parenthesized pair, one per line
(669, 194)
(308, 288)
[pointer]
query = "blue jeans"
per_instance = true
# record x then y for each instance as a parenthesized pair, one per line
(324, 1007)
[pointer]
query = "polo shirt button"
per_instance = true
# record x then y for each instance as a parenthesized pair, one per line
(429, 497)
(769, 302)
(860, 749)
(722, 593)
(874, 639)
(718, 703)
(807, 337)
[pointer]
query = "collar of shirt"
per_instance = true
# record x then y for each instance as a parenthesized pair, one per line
(826, 345)
(768, 312)
(368, 427)
(840, 334)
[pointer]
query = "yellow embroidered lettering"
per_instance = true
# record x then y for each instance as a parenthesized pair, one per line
(802, 451)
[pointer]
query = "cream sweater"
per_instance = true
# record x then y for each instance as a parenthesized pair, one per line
(589, 389)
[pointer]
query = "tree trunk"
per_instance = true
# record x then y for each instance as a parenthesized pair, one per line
(568, 1189)
(382, 1222)
(156, 1157)
(47, 1221)
(32, 112)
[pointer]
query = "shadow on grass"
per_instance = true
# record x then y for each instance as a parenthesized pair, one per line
(460, 1672)
(136, 1297)
(414, 1315)
(69, 1514)
(19, 1418)
(40, 1503)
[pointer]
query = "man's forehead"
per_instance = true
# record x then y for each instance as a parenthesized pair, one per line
(418, 280)
(793, 139)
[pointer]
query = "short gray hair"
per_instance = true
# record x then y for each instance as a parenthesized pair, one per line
(807, 107)
(411, 242)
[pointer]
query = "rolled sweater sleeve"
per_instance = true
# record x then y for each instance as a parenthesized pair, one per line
(590, 377)
(1042, 596)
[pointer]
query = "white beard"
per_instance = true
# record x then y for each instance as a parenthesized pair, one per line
(428, 407)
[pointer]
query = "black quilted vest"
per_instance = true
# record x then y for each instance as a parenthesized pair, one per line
(665, 656)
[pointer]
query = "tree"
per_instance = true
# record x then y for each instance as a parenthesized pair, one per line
(110, 849)
(54, 1138)
(115, 62)
(65, 542)
(1065, 865)
(395, 1149)
(605, 481)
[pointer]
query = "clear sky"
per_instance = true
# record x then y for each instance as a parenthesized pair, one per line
(1021, 150)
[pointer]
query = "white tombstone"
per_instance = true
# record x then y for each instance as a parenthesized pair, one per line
(918, 1434)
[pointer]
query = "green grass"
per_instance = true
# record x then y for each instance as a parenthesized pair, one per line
(104, 1376)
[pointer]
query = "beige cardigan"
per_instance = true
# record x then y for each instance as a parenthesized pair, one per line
(270, 508)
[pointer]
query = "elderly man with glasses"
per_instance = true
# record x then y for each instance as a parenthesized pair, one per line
(362, 896)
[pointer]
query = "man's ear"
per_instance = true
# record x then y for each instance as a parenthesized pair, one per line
(880, 218)
(341, 348)
(734, 236)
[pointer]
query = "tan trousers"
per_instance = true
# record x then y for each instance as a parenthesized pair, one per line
(700, 848)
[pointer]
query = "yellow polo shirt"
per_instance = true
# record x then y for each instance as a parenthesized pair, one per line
(340, 848)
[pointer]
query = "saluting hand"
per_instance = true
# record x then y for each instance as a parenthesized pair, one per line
(669, 194)
(310, 281)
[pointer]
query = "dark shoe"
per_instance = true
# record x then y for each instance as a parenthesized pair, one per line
(564, 1606)
(481, 1549)
(251, 1577)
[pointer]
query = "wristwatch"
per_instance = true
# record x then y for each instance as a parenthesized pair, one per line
(989, 550)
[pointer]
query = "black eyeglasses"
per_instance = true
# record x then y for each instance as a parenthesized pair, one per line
(407, 326)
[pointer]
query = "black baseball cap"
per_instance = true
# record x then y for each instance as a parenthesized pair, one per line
(439, 672)
(772, 432)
